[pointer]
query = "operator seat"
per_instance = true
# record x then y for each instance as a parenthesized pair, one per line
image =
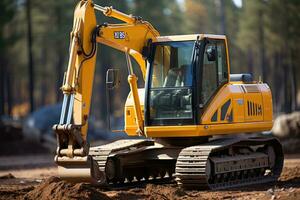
(171, 78)
(185, 78)
(177, 77)
(161, 100)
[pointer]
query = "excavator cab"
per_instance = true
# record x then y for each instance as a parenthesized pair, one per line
(183, 76)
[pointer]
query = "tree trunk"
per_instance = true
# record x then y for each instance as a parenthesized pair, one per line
(5, 88)
(44, 82)
(9, 92)
(295, 83)
(223, 17)
(250, 60)
(60, 58)
(262, 52)
(60, 74)
(2, 96)
(276, 83)
(287, 85)
(30, 57)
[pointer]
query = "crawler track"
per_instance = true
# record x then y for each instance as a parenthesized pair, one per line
(223, 164)
(219, 164)
(127, 161)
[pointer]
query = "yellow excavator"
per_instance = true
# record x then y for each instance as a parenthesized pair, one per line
(190, 113)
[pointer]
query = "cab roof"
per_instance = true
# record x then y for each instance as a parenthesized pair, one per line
(188, 37)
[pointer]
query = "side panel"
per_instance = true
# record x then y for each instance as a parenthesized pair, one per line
(236, 103)
(253, 103)
(227, 105)
(207, 130)
(238, 107)
(267, 102)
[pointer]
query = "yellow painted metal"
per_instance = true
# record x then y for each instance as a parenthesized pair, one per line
(227, 57)
(267, 102)
(136, 37)
(129, 113)
(80, 71)
(132, 80)
(110, 12)
(207, 130)
(69, 84)
(84, 68)
(190, 37)
(240, 104)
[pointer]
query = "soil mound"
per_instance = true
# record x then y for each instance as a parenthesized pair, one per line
(150, 192)
(156, 192)
(287, 125)
(7, 176)
(287, 129)
(55, 189)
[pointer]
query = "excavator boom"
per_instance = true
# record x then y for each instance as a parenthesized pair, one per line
(131, 37)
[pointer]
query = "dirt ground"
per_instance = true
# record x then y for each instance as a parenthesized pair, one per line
(27, 171)
(34, 177)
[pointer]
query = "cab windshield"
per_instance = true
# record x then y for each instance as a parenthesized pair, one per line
(170, 89)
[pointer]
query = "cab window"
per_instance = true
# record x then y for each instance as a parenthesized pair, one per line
(214, 72)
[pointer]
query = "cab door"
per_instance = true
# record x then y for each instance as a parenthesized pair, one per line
(214, 70)
(213, 75)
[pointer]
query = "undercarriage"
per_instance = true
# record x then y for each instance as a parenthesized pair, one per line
(216, 164)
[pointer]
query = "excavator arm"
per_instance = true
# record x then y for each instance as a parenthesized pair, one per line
(131, 37)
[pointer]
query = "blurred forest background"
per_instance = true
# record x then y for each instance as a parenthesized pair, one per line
(34, 38)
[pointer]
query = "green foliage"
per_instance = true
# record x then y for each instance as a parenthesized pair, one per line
(165, 15)
(269, 30)
(7, 13)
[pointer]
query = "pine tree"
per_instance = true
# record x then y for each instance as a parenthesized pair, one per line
(7, 14)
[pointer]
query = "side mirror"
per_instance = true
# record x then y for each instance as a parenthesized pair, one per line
(112, 78)
(146, 51)
(211, 54)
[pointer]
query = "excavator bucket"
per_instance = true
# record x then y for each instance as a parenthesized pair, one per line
(80, 169)
(73, 159)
